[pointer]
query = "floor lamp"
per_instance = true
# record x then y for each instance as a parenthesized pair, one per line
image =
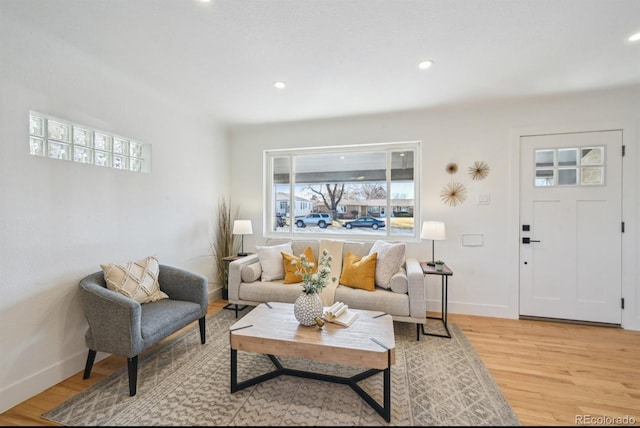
(435, 231)
(242, 227)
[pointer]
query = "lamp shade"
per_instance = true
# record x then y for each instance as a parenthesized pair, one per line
(433, 230)
(242, 227)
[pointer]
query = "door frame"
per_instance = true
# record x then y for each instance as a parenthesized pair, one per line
(630, 162)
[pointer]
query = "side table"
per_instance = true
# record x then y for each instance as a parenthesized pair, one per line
(444, 275)
(227, 260)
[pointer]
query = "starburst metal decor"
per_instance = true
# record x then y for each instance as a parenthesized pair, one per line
(452, 168)
(453, 194)
(479, 170)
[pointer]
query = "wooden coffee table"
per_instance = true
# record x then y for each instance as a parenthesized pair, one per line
(271, 329)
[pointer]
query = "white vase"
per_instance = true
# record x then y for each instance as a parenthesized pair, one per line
(307, 307)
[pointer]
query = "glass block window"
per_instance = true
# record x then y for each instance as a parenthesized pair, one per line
(579, 166)
(60, 139)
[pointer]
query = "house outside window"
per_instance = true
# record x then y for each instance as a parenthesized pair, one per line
(347, 183)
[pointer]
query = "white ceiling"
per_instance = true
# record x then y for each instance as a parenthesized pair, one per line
(347, 57)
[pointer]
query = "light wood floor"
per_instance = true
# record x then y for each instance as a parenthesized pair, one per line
(551, 373)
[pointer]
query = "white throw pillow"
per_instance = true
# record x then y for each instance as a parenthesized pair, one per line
(390, 260)
(137, 280)
(271, 260)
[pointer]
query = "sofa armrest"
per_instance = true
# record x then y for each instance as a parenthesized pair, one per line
(180, 284)
(235, 274)
(417, 295)
(114, 319)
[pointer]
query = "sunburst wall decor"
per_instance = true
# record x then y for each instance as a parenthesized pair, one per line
(452, 168)
(479, 170)
(453, 193)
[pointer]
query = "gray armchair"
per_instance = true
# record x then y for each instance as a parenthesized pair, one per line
(120, 325)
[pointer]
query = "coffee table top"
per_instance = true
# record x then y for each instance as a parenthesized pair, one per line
(274, 330)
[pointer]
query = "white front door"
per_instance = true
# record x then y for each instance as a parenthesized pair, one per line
(571, 204)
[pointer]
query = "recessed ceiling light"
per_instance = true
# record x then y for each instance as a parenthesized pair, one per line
(279, 85)
(635, 37)
(425, 64)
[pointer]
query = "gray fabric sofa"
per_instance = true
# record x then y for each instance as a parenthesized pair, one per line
(122, 326)
(408, 304)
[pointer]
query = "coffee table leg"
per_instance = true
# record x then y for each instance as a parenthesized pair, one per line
(234, 370)
(384, 410)
(387, 390)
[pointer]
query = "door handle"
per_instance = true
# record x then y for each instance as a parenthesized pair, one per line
(528, 240)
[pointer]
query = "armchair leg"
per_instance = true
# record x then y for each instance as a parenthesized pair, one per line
(203, 336)
(132, 366)
(91, 357)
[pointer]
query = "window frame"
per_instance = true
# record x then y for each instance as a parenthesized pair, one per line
(270, 198)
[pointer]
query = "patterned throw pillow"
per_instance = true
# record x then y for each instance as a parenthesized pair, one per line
(137, 280)
(359, 272)
(390, 260)
(290, 276)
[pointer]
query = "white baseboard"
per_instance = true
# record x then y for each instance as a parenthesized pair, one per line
(36, 383)
(497, 311)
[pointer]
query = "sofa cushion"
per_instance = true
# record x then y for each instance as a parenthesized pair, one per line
(399, 282)
(290, 276)
(137, 280)
(382, 300)
(271, 260)
(359, 272)
(390, 259)
(251, 272)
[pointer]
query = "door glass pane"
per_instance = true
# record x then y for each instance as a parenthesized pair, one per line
(544, 177)
(567, 157)
(592, 156)
(592, 175)
(567, 176)
(545, 158)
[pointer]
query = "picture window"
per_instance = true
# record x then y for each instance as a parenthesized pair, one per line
(366, 191)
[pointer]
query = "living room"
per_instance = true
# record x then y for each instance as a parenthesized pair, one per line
(91, 64)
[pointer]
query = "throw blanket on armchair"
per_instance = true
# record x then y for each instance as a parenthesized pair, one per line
(335, 251)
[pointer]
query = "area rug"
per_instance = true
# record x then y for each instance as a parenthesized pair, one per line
(435, 381)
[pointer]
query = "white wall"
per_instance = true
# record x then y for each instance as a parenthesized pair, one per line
(485, 280)
(60, 220)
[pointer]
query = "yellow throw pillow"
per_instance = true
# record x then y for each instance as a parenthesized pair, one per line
(290, 276)
(137, 280)
(359, 272)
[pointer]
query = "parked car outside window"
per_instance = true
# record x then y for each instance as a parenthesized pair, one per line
(322, 220)
(371, 222)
